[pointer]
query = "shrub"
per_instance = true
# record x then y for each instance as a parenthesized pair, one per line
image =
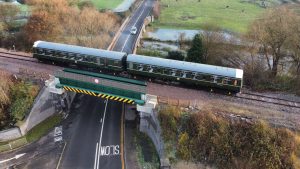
(183, 149)
(169, 118)
(23, 95)
(175, 55)
(208, 138)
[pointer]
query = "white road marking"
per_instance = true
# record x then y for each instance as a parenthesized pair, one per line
(100, 140)
(110, 150)
(134, 25)
(96, 155)
(101, 120)
(15, 157)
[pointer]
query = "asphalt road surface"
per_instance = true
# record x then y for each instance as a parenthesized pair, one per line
(94, 135)
(126, 41)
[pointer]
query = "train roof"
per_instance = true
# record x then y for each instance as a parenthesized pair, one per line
(187, 66)
(79, 50)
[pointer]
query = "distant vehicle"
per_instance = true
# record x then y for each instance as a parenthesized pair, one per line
(58, 131)
(57, 139)
(133, 30)
(140, 66)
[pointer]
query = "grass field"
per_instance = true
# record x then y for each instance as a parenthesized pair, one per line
(106, 4)
(230, 15)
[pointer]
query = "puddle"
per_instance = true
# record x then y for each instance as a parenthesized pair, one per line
(159, 45)
(173, 34)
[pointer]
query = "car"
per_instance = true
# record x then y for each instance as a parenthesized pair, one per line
(58, 131)
(133, 30)
(58, 139)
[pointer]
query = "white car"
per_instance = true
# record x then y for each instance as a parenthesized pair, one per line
(133, 30)
(58, 131)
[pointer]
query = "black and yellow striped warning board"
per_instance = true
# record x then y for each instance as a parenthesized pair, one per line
(105, 96)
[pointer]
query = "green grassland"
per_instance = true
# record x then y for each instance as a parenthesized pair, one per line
(230, 15)
(106, 4)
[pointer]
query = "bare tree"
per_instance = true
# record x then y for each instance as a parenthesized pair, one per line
(294, 45)
(156, 9)
(271, 33)
(93, 29)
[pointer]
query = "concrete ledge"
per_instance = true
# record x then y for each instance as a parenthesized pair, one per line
(10, 134)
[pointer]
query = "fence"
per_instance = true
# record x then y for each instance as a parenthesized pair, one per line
(178, 102)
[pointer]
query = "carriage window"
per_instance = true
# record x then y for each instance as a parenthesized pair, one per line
(130, 65)
(235, 82)
(199, 77)
(135, 66)
(157, 70)
(140, 67)
(214, 78)
(101, 61)
(40, 51)
(167, 71)
(116, 62)
(225, 80)
(149, 68)
(189, 75)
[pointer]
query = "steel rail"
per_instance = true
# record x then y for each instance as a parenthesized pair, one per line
(17, 57)
(268, 99)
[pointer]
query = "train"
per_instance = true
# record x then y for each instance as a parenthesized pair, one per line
(152, 68)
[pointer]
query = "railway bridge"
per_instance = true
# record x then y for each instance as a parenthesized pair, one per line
(99, 85)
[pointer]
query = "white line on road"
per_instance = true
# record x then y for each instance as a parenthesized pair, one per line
(134, 25)
(15, 157)
(98, 157)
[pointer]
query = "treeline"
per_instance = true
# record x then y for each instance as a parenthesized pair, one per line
(62, 21)
(210, 139)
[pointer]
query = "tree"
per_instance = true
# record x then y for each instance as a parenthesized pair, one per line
(42, 26)
(156, 9)
(8, 12)
(271, 34)
(175, 55)
(294, 45)
(181, 40)
(195, 53)
(93, 29)
(216, 47)
(57, 20)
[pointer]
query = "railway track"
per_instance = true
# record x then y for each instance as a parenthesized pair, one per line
(244, 95)
(17, 57)
(268, 99)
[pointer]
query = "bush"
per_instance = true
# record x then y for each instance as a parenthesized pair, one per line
(208, 138)
(183, 149)
(175, 55)
(169, 118)
(153, 53)
(23, 95)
